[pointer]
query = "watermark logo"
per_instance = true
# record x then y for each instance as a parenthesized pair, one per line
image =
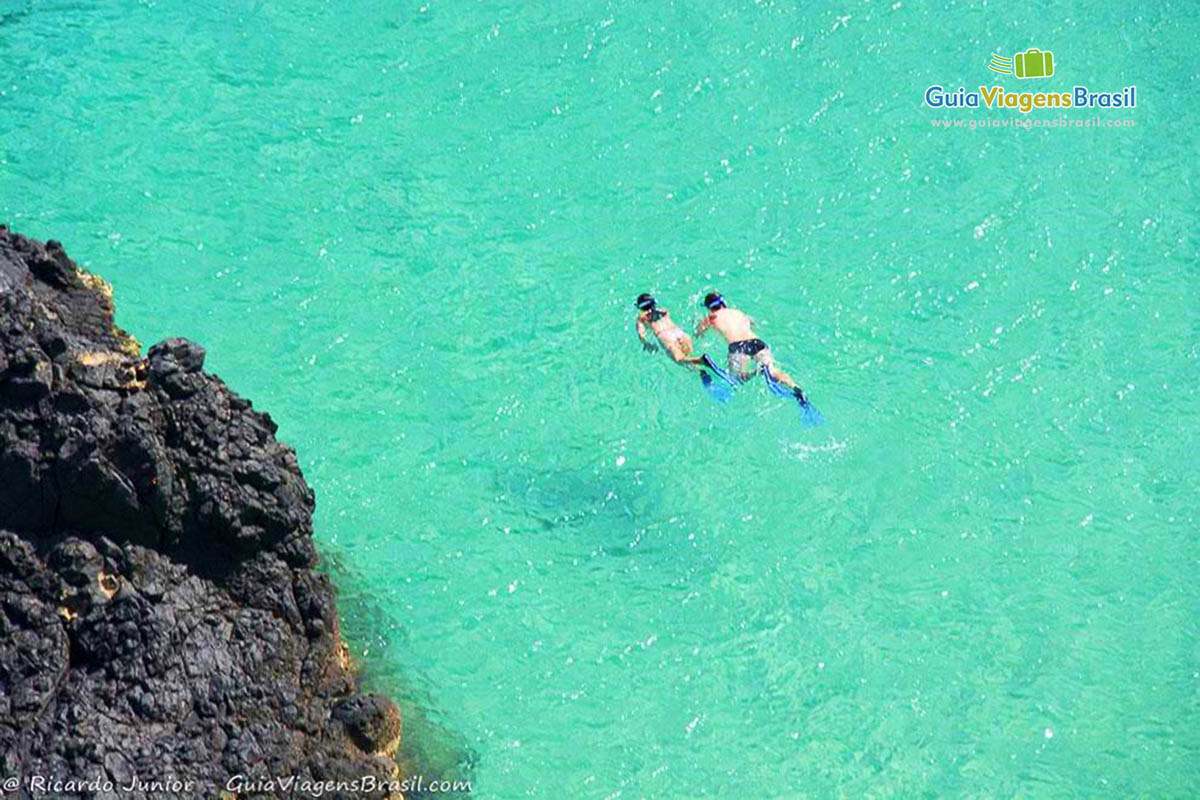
(1033, 63)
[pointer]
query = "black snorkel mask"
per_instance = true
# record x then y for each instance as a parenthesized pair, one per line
(713, 301)
(644, 302)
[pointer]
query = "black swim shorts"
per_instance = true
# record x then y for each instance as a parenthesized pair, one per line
(747, 347)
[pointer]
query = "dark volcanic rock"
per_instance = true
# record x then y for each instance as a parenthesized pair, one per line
(159, 614)
(372, 720)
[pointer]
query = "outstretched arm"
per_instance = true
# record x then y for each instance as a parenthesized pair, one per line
(641, 332)
(703, 326)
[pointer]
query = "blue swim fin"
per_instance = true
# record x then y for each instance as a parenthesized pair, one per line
(775, 387)
(731, 380)
(809, 416)
(717, 390)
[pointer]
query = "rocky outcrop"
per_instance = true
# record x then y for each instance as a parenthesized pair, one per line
(160, 617)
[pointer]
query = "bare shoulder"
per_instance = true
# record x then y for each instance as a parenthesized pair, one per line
(725, 316)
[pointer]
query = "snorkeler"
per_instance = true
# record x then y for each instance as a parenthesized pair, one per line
(744, 346)
(673, 338)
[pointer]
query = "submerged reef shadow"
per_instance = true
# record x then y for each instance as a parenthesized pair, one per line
(566, 500)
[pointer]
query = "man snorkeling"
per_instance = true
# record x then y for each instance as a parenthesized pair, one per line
(744, 346)
(673, 338)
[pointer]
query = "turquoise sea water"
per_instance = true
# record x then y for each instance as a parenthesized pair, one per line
(414, 232)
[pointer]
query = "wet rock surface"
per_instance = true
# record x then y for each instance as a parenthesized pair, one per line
(160, 617)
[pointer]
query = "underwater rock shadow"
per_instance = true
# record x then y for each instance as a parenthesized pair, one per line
(564, 500)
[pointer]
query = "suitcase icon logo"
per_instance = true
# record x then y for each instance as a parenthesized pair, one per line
(1033, 63)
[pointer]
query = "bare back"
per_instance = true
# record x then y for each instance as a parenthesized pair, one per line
(734, 325)
(659, 320)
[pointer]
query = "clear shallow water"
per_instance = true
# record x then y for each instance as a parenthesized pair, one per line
(414, 234)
